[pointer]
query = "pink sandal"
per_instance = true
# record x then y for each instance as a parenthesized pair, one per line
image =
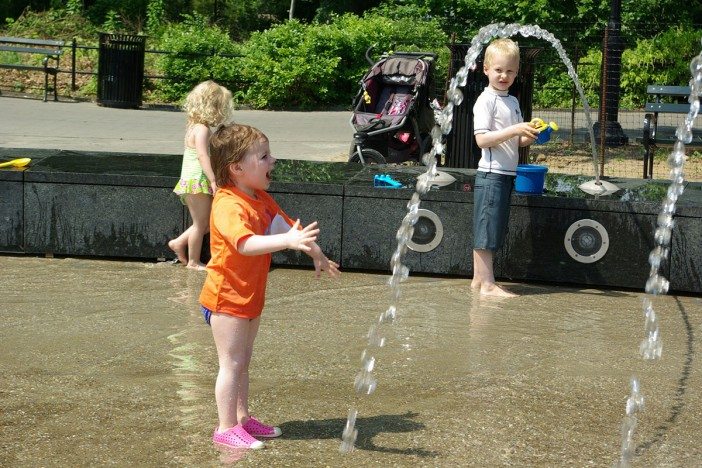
(256, 428)
(236, 437)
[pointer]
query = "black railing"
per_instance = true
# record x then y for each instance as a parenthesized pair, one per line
(73, 71)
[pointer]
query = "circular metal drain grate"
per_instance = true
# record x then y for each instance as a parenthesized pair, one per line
(428, 232)
(586, 241)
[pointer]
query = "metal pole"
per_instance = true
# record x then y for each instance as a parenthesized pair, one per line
(573, 94)
(611, 81)
(74, 46)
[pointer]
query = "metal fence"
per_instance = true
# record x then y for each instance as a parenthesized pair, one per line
(618, 150)
(83, 66)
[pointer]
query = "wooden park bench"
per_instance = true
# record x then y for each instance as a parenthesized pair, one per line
(652, 136)
(50, 49)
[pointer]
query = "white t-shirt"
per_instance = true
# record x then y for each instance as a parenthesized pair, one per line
(495, 110)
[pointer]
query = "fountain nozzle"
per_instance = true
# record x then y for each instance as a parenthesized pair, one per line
(598, 187)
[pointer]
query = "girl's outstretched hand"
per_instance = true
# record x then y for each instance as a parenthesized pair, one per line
(322, 263)
(301, 239)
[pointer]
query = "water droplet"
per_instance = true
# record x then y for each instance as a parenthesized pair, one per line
(662, 236)
(436, 133)
(675, 190)
(684, 134)
(696, 65)
(462, 76)
(349, 435)
(389, 315)
(657, 285)
(456, 97)
(429, 158)
(374, 337)
(665, 220)
(668, 206)
(401, 271)
(657, 256)
(423, 184)
(446, 128)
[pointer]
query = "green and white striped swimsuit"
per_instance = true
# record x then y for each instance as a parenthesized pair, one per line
(192, 177)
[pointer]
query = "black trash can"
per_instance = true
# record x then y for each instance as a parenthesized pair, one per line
(461, 149)
(121, 70)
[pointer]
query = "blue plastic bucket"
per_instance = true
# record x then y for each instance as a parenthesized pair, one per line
(530, 178)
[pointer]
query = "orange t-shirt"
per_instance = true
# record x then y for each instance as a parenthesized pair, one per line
(236, 283)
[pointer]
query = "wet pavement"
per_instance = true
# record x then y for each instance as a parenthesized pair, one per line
(109, 363)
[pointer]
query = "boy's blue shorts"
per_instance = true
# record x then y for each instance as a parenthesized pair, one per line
(491, 209)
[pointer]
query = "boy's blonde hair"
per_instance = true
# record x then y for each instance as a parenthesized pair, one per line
(208, 104)
(228, 145)
(504, 47)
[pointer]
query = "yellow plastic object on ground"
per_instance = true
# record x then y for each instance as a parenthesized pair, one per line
(21, 162)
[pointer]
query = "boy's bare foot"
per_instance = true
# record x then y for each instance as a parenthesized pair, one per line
(179, 251)
(196, 266)
(475, 284)
(495, 291)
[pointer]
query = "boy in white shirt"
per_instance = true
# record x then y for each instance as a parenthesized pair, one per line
(499, 130)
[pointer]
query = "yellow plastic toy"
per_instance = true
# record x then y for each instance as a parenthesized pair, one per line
(21, 162)
(544, 128)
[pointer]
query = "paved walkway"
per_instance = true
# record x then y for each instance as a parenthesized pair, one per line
(85, 126)
(316, 136)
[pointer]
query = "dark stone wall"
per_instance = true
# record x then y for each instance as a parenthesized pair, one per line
(116, 205)
(11, 213)
(370, 227)
(99, 220)
(535, 247)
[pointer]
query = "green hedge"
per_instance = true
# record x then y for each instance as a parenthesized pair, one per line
(319, 65)
(316, 65)
(193, 43)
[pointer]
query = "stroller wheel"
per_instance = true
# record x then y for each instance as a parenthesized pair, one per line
(370, 156)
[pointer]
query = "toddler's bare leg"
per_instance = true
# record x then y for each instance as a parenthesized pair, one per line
(242, 404)
(231, 337)
(179, 246)
(199, 205)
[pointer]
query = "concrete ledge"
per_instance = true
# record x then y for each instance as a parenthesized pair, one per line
(686, 243)
(122, 205)
(93, 220)
(326, 210)
(369, 235)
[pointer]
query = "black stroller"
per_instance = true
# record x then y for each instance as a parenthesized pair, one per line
(393, 117)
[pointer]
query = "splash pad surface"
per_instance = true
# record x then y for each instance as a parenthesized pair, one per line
(110, 362)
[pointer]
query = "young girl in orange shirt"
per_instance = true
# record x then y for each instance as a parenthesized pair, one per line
(246, 226)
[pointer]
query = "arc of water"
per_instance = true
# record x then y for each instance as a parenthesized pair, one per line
(652, 346)
(365, 382)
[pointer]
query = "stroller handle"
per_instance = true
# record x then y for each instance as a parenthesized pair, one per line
(401, 54)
